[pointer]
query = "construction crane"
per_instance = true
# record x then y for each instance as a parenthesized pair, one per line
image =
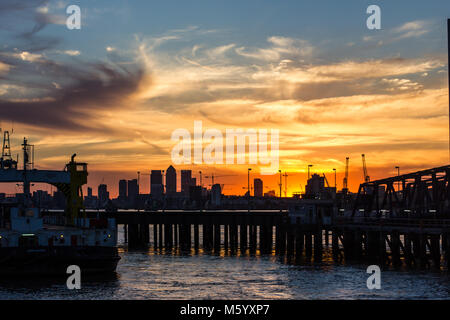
(6, 161)
(326, 180)
(366, 175)
(345, 182)
(212, 176)
(285, 175)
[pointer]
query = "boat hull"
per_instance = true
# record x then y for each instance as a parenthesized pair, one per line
(53, 261)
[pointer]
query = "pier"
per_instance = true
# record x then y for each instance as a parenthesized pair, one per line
(415, 243)
(409, 226)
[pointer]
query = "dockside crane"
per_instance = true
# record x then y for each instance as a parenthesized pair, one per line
(345, 182)
(366, 175)
(326, 180)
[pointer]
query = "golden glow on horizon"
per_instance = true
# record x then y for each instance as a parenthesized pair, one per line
(384, 108)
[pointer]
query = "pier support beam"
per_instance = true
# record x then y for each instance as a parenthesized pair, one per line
(290, 242)
(144, 235)
(308, 245)
(160, 233)
(318, 238)
(253, 239)
(409, 259)
(435, 251)
(243, 235)
(196, 237)
(335, 245)
(299, 243)
(133, 236)
(226, 241)
(217, 238)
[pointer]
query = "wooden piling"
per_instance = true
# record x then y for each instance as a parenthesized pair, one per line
(262, 239)
(335, 244)
(252, 239)
(395, 248)
(133, 236)
(358, 245)
(177, 235)
(166, 236)
(226, 231)
(196, 237)
(216, 238)
(308, 244)
(160, 233)
(290, 242)
(243, 235)
(409, 259)
(423, 261)
(188, 236)
(155, 236)
(269, 239)
(233, 238)
(143, 235)
(283, 230)
(318, 245)
(435, 251)
(349, 240)
(299, 243)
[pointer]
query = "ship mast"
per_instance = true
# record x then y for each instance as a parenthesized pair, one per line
(26, 183)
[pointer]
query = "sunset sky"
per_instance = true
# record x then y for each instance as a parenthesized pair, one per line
(114, 91)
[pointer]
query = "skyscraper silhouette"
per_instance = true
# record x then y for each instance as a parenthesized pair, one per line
(123, 189)
(103, 194)
(186, 177)
(156, 184)
(171, 180)
(258, 187)
(133, 192)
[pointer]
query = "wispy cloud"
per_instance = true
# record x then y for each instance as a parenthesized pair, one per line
(412, 29)
(280, 48)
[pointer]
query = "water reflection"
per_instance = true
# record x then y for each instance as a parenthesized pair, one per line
(204, 274)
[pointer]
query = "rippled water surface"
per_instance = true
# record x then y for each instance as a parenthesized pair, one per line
(156, 275)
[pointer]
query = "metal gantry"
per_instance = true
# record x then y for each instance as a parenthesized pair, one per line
(424, 194)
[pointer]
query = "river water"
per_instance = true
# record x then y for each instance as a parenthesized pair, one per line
(157, 275)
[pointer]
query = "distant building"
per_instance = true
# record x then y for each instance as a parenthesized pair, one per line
(315, 188)
(59, 199)
(195, 194)
(258, 187)
(186, 177)
(41, 198)
(103, 194)
(89, 201)
(171, 180)
(156, 184)
(216, 195)
(133, 192)
(270, 194)
(123, 189)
